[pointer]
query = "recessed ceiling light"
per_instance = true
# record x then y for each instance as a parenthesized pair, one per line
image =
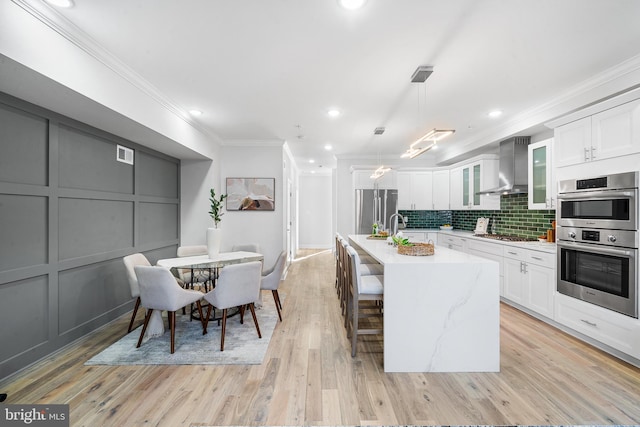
(352, 4)
(328, 147)
(495, 113)
(61, 3)
(311, 161)
(195, 112)
(333, 113)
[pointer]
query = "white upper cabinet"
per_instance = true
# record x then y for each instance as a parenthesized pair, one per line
(455, 189)
(441, 193)
(611, 133)
(415, 190)
(542, 186)
(616, 132)
(467, 180)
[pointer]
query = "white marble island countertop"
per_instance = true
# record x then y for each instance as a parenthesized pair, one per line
(385, 253)
(441, 312)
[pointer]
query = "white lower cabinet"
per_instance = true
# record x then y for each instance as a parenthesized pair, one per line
(452, 242)
(415, 236)
(613, 329)
(530, 280)
(420, 236)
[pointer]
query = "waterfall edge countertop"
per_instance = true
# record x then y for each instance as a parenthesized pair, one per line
(441, 312)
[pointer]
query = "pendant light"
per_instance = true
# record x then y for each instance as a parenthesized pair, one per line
(430, 139)
(381, 169)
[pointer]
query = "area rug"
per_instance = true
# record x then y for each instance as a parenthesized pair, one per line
(241, 343)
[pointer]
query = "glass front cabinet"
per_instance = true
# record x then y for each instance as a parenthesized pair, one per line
(542, 186)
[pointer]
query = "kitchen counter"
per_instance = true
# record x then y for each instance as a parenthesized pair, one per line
(441, 312)
(536, 246)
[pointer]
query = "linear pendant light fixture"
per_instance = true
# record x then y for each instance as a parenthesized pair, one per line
(431, 138)
(426, 142)
(381, 169)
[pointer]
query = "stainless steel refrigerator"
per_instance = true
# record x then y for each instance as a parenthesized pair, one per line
(375, 206)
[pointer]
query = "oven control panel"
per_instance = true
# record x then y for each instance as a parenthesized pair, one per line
(618, 238)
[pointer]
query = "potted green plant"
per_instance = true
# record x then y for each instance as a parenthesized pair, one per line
(216, 207)
(214, 234)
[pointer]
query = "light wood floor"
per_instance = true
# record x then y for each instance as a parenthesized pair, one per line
(309, 378)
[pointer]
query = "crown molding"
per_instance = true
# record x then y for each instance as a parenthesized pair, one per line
(567, 102)
(50, 17)
(252, 142)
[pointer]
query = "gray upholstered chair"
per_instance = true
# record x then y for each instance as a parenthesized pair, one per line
(271, 280)
(248, 247)
(238, 285)
(160, 291)
(130, 262)
(200, 276)
(362, 288)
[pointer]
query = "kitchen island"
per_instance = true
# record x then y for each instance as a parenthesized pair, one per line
(441, 312)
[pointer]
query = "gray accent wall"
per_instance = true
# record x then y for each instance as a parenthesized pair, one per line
(69, 213)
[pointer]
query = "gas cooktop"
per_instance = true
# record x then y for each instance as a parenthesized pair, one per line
(505, 237)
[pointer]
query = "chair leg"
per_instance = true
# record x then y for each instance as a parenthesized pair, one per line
(206, 320)
(144, 326)
(172, 325)
(200, 313)
(133, 316)
(255, 319)
(224, 328)
(242, 308)
(354, 327)
(276, 299)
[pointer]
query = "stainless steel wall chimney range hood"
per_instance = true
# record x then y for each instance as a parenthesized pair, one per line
(512, 178)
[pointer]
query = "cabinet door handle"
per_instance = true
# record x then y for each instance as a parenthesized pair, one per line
(595, 325)
(511, 253)
(536, 257)
(520, 266)
(586, 154)
(524, 264)
(593, 155)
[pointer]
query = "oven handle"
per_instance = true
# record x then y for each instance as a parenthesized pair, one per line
(598, 249)
(596, 194)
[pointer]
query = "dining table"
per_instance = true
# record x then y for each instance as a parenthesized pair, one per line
(193, 263)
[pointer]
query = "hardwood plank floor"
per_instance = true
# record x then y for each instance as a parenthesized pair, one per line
(309, 378)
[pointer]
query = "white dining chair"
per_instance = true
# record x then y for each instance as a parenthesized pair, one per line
(130, 261)
(271, 280)
(160, 291)
(246, 247)
(238, 285)
(195, 278)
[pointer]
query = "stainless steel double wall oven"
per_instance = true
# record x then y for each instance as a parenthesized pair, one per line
(597, 237)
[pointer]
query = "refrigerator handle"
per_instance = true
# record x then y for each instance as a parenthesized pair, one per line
(374, 207)
(383, 211)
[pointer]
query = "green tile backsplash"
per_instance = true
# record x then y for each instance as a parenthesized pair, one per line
(426, 219)
(513, 218)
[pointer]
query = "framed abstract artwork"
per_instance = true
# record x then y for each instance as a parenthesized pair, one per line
(251, 194)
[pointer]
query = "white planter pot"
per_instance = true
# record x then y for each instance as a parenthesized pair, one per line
(214, 235)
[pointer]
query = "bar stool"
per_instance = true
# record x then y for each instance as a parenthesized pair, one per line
(362, 288)
(366, 269)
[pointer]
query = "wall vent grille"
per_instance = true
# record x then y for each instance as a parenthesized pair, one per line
(124, 155)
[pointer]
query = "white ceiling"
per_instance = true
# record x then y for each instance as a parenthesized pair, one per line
(258, 69)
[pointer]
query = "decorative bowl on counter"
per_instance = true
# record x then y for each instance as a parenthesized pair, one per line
(446, 227)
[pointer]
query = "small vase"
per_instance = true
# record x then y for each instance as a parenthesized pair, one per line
(214, 236)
